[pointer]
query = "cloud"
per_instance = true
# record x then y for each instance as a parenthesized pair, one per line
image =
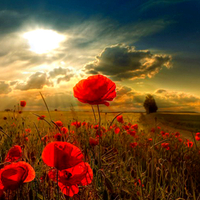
(4, 88)
(57, 71)
(124, 62)
(151, 4)
(128, 99)
(10, 21)
(63, 74)
(83, 41)
(36, 81)
(124, 90)
(178, 98)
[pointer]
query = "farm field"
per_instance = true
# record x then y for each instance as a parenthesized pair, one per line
(120, 157)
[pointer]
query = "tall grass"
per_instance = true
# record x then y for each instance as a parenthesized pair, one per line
(146, 171)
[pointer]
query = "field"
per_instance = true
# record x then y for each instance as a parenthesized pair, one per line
(131, 155)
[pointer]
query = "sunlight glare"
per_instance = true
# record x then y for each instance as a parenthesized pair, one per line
(43, 41)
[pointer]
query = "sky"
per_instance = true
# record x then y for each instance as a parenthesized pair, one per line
(145, 47)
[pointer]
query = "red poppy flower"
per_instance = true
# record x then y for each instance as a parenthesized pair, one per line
(99, 133)
(177, 134)
(69, 179)
(58, 136)
(135, 126)
(15, 174)
(45, 138)
(94, 90)
(162, 133)
(165, 145)
(28, 130)
(180, 140)
(84, 124)
(133, 144)
(153, 130)
(132, 133)
(93, 142)
(126, 127)
(64, 130)
(76, 124)
(197, 137)
(22, 103)
(58, 123)
(61, 155)
(166, 135)
(96, 127)
(120, 119)
(41, 117)
(190, 144)
(14, 154)
(117, 130)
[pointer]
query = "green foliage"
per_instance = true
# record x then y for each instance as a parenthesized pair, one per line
(150, 104)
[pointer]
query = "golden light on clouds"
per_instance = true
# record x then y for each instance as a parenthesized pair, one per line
(43, 41)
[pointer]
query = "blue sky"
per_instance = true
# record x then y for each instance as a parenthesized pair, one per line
(144, 46)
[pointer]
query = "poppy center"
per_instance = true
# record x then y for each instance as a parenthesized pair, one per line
(67, 175)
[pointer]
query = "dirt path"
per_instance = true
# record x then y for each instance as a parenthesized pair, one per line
(149, 121)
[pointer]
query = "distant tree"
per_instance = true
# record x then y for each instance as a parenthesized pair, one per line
(150, 104)
(7, 110)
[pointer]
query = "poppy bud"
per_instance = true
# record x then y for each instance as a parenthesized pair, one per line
(22, 103)
(93, 142)
(120, 119)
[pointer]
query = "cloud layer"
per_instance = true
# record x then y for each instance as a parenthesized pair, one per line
(124, 62)
(36, 81)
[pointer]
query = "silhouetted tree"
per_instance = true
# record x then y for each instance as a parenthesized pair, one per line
(150, 104)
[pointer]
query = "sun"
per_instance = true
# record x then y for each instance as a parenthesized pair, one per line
(43, 41)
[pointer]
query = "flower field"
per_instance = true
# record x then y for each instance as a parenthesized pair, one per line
(95, 156)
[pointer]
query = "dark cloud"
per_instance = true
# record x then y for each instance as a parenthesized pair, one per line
(65, 74)
(160, 91)
(124, 62)
(13, 83)
(36, 81)
(10, 21)
(4, 88)
(57, 71)
(66, 78)
(123, 90)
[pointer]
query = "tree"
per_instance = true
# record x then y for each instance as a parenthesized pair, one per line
(150, 104)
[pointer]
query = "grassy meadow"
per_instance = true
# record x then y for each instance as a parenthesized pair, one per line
(140, 157)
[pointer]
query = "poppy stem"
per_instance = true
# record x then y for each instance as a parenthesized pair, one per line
(99, 133)
(57, 183)
(100, 140)
(6, 134)
(94, 114)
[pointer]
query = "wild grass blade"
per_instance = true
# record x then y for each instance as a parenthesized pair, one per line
(46, 105)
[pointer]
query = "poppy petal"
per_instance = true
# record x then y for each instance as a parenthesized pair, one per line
(61, 155)
(15, 174)
(68, 190)
(96, 89)
(14, 154)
